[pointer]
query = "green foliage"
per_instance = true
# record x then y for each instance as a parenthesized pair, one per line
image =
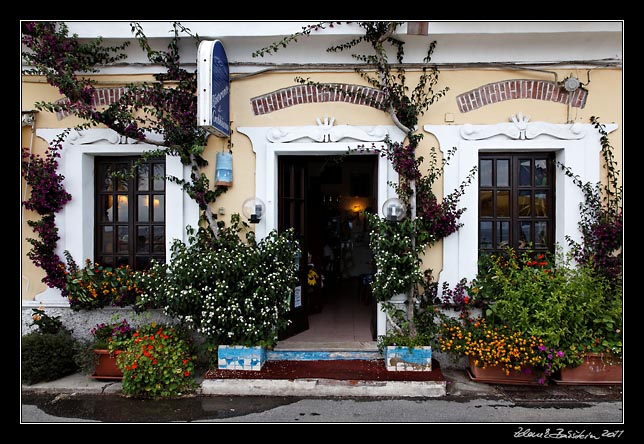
(601, 224)
(46, 324)
(405, 340)
(397, 258)
(501, 346)
(157, 362)
(47, 356)
(112, 334)
(166, 106)
(571, 308)
(61, 57)
(95, 286)
(233, 291)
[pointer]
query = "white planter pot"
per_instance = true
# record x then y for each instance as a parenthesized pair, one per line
(239, 357)
(407, 359)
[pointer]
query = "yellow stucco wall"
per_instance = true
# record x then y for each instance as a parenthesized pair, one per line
(604, 100)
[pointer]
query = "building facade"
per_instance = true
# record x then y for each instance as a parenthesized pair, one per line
(520, 94)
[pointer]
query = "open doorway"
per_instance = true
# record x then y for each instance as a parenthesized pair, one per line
(333, 228)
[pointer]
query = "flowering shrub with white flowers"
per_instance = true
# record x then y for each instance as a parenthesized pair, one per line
(232, 291)
(397, 257)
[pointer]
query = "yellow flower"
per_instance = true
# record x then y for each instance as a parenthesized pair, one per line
(312, 277)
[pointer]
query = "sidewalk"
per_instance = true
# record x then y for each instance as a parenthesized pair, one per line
(457, 385)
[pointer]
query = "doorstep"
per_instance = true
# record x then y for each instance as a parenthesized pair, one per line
(317, 387)
(319, 378)
(317, 351)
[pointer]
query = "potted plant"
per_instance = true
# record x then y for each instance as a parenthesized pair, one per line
(569, 306)
(95, 286)
(107, 343)
(157, 361)
(498, 354)
(596, 353)
(404, 347)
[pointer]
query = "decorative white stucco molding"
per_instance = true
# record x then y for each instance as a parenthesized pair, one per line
(521, 128)
(104, 135)
(575, 145)
(325, 131)
(75, 222)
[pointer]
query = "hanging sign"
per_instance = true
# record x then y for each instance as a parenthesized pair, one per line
(213, 87)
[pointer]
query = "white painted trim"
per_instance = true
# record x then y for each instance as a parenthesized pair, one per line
(266, 162)
(575, 145)
(76, 222)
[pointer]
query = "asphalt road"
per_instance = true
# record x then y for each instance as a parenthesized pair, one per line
(562, 414)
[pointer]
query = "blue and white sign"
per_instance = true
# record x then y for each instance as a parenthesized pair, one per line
(213, 86)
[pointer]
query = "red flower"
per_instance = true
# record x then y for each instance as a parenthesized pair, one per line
(186, 373)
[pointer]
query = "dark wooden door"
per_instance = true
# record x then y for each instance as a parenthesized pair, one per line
(292, 191)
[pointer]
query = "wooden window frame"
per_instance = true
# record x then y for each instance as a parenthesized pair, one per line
(135, 259)
(514, 188)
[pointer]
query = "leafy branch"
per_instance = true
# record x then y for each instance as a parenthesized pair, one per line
(166, 107)
(601, 223)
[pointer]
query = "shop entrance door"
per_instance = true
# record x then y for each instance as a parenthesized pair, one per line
(292, 214)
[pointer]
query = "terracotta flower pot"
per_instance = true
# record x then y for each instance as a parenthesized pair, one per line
(497, 375)
(597, 368)
(106, 367)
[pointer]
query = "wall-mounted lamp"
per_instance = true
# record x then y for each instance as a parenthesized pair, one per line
(570, 84)
(394, 210)
(253, 209)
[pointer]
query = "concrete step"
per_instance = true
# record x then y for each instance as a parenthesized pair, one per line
(339, 377)
(322, 351)
(318, 387)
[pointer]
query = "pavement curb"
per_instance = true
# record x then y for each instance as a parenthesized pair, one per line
(323, 387)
